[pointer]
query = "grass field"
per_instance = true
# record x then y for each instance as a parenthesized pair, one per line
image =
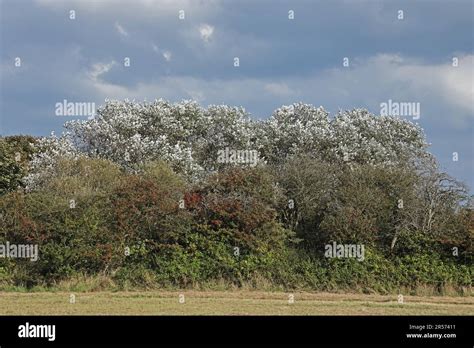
(227, 303)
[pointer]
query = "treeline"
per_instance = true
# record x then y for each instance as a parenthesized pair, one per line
(150, 222)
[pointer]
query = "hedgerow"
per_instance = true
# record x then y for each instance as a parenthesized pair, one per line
(138, 196)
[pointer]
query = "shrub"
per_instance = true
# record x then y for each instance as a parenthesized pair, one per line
(243, 203)
(15, 153)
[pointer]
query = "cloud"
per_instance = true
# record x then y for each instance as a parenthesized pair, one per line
(142, 8)
(99, 69)
(278, 89)
(368, 82)
(167, 55)
(206, 31)
(454, 84)
(120, 29)
(392, 76)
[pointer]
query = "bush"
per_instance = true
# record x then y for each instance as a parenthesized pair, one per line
(15, 153)
(242, 203)
(152, 228)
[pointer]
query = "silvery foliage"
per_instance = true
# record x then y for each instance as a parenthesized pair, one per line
(354, 136)
(130, 134)
(224, 127)
(294, 129)
(49, 150)
(361, 137)
(189, 136)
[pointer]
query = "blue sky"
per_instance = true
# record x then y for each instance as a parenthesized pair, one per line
(282, 60)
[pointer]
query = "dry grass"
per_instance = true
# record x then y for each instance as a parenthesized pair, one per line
(228, 303)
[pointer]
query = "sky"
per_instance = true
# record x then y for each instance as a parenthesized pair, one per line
(339, 54)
